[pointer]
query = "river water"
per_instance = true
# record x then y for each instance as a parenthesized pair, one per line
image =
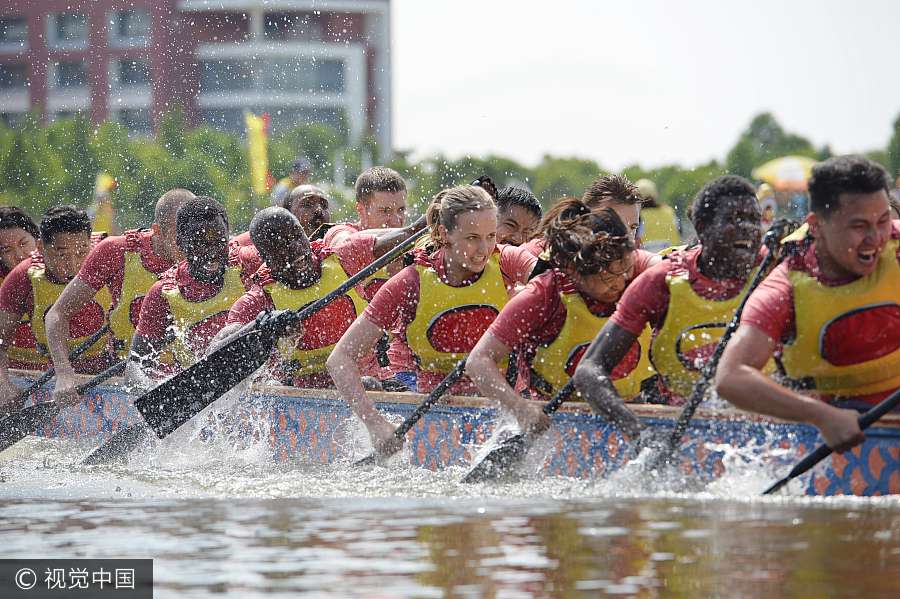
(219, 521)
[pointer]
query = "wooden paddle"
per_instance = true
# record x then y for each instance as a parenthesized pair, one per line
(180, 398)
(701, 386)
(421, 409)
(506, 457)
(866, 420)
(16, 427)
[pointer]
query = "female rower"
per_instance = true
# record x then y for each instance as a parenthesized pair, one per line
(703, 285)
(437, 307)
(551, 321)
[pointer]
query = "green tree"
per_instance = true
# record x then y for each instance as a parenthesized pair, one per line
(893, 150)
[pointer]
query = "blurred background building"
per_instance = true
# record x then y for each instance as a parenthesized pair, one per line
(132, 60)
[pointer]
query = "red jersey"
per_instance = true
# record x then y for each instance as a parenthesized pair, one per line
(340, 230)
(394, 306)
(105, 265)
(770, 309)
(17, 298)
(156, 311)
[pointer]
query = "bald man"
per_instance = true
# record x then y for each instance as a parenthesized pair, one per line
(128, 265)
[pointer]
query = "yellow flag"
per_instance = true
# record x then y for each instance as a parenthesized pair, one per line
(259, 159)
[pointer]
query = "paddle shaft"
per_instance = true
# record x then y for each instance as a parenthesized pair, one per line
(866, 420)
(698, 392)
(48, 374)
(432, 399)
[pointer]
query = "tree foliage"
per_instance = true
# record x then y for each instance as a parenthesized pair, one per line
(56, 163)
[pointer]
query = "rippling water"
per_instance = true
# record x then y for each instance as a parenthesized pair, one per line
(218, 521)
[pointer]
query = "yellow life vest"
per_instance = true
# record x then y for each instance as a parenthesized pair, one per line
(692, 322)
(311, 360)
(136, 282)
(437, 301)
(187, 314)
(45, 293)
(555, 363)
(660, 228)
(818, 306)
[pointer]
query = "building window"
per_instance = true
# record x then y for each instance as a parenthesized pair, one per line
(225, 75)
(292, 26)
(130, 27)
(331, 76)
(13, 76)
(285, 119)
(13, 32)
(67, 30)
(132, 72)
(136, 120)
(300, 75)
(70, 74)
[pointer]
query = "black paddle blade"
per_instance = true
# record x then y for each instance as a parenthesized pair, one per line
(499, 461)
(19, 425)
(119, 445)
(174, 402)
(369, 460)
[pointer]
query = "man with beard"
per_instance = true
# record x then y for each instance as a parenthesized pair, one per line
(296, 273)
(35, 284)
(309, 204)
(678, 298)
(189, 304)
(833, 306)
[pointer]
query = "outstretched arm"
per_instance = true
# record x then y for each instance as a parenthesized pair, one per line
(483, 367)
(342, 365)
(739, 380)
(388, 239)
(592, 377)
(76, 294)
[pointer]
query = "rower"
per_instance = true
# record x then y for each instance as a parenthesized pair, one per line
(34, 285)
(380, 203)
(438, 307)
(553, 319)
(295, 274)
(518, 215)
(687, 299)
(309, 204)
(834, 305)
(18, 239)
(190, 303)
(609, 191)
(127, 266)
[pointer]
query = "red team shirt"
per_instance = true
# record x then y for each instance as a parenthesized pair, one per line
(646, 300)
(155, 314)
(341, 229)
(394, 306)
(536, 315)
(770, 308)
(105, 265)
(17, 298)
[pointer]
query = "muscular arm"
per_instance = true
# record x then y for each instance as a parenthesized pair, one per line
(739, 380)
(76, 294)
(592, 377)
(388, 239)
(482, 366)
(342, 365)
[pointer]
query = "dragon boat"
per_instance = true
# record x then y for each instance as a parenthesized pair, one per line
(310, 425)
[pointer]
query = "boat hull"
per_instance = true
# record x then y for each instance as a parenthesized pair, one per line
(303, 425)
